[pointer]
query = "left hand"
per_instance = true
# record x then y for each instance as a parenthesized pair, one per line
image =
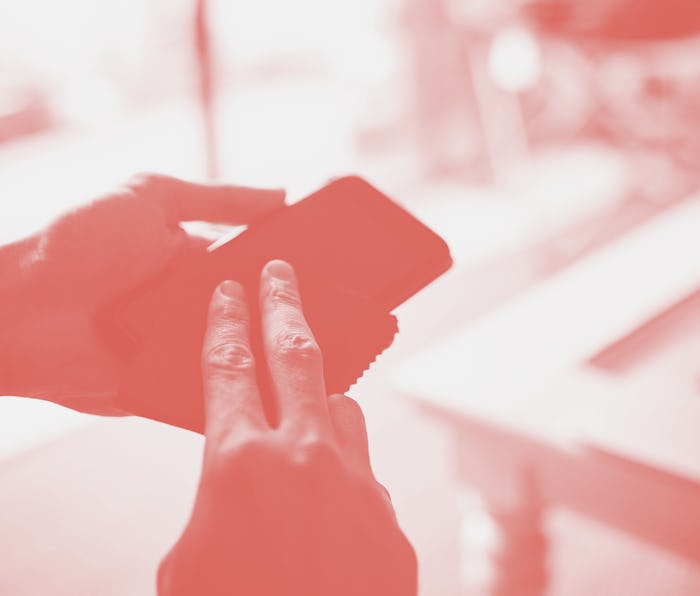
(88, 258)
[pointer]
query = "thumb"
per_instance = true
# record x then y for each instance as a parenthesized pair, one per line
(181, 200)
(350, 430)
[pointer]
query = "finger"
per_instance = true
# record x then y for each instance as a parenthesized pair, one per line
(293, 356)
(217, 203)
(350, 428)
(231, 393)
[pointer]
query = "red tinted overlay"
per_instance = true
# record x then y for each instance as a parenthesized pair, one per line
(323, 523)
(287, 503)
(533, 406)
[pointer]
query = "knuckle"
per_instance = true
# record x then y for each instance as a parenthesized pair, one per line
(283, 293)
(347, 405)
(384, 492)
(229, 356)
(143, 182)
(347, 412)
(232, 458)
(314, 452)
(233, 308)
(234, 450)
(154, 190)
(297, 345)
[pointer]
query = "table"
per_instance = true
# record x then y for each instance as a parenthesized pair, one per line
(582, 391)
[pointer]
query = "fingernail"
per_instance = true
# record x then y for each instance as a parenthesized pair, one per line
(231, 289)
(280, 270)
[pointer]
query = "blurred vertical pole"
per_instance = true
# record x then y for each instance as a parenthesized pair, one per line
(205, 85)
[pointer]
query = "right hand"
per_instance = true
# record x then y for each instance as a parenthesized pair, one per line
(292, 509)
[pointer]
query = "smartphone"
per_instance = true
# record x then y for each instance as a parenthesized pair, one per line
(357, 256)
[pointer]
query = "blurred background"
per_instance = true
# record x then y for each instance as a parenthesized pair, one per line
(536, 420)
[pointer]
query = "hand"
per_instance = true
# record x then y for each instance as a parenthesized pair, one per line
(85, 260)
(292, 509)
